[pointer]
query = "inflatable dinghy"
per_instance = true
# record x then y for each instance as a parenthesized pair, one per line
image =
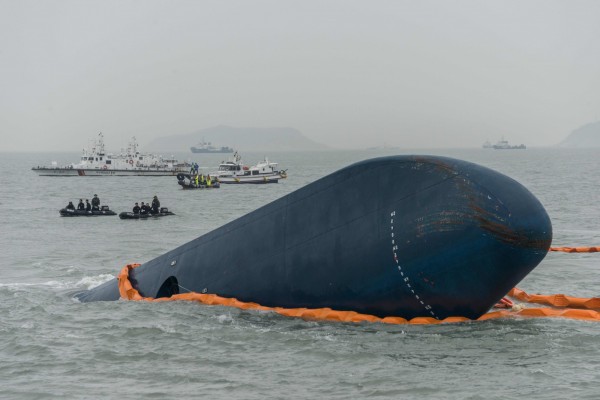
(164, 211)
(104, 211)
(186, 181)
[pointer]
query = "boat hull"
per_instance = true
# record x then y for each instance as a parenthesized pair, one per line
(81, 213)
(197, 150)
(193, 187)
(256, 180)
(130, 215)
(401, 236)
(105, 172)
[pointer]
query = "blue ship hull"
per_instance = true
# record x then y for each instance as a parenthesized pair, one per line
(400, 236)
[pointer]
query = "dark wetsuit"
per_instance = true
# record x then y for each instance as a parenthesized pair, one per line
(70, 206)
(81, 206)
(136, 209)
(88, 206)
(96, 203)
(155, 205)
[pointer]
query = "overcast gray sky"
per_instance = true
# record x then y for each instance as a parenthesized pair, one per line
(345, 73)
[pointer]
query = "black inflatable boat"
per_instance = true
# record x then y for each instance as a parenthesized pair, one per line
(186, 181)
(164, 211)
(104, 211)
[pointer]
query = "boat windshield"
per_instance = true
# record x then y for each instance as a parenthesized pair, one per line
(225, 167)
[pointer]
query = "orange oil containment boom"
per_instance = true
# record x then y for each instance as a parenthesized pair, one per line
(592, 249)
(557, 300)
(128, 292)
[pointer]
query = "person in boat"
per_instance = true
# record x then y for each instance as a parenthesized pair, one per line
(208, 181)
(70, 206)
(196, 166)
(197, 180)
(88, 206)
(95, 203)
(136, 209)
(202, 179)
(144, 209)
(81, 206)
(155, 204)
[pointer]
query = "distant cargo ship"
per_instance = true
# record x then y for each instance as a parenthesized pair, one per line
(207, 147)
(503, 145)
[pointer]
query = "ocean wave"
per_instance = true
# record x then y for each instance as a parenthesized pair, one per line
(88, 282)
(91, 282)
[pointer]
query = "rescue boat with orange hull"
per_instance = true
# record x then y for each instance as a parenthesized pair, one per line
(406, 236)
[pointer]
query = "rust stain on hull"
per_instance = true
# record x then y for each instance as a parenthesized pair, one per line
(496, 223)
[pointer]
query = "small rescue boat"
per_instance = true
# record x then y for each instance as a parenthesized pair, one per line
(104, 211)
(187, 181)
(164, 211)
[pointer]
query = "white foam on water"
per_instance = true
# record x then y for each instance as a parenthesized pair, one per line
(91, 282)
(22, 285)
(165, 328)
(225, 318)
(27, 325)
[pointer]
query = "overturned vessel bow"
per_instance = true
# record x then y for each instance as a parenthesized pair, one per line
(401, 236)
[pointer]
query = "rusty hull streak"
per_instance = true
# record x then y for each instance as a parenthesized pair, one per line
(442, 166)
(517, 238)
(498, 227)
(493, 223)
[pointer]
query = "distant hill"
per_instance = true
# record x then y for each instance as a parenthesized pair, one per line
(243, 139)
(586, 136)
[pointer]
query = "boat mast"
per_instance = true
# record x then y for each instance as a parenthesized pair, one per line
(100, 144)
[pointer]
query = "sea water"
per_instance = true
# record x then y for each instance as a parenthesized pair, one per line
(52, 346)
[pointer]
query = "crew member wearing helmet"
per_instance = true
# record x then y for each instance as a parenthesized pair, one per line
(96, 203)
(155, 205)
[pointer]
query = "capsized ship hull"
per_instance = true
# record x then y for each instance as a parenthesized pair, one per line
(400, 236)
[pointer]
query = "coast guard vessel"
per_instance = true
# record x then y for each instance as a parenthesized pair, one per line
(130, 162)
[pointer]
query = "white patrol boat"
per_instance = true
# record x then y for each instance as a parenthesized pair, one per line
(130, 162)
(233, 171)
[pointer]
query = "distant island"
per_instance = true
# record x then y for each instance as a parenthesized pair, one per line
(585, 136)
(239, 138)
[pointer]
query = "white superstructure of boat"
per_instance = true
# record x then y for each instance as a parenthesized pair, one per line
(234, 171)
(129, 162)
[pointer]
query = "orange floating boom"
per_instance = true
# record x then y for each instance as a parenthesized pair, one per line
(128, 292)
(592, 249)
